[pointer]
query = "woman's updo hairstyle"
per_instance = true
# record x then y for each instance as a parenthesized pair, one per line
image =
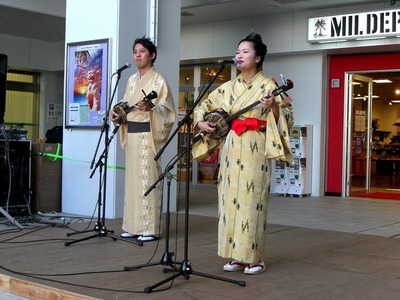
(259, 47)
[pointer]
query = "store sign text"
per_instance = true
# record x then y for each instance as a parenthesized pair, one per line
(371, 25)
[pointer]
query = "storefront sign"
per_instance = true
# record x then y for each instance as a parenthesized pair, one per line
(360, 26)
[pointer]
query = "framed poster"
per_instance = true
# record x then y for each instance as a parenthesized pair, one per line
(87, 81)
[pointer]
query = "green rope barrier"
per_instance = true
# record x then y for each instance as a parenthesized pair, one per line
(58, 151)
(57, 156)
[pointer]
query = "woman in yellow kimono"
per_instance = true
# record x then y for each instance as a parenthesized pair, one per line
(143, 135)
(256, 137)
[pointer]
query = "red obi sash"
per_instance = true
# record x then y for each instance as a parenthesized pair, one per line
(242, 125)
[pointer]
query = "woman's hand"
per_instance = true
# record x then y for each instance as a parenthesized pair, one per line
(268, 102)
(271, 103)
(206, 126)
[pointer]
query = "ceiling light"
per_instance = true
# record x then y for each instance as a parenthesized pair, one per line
(382, 81)
(201, 3)
(395, 101)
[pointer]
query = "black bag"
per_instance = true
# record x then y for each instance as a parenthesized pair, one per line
(54, 135)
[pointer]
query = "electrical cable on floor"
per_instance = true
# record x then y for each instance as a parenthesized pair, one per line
(40, 276)
(44, 225)
(10, 240)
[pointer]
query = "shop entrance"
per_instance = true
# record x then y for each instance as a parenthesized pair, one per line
(363, 144)
(358, 134)
(373, 144)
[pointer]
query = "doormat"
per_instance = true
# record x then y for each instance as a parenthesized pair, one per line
(380, 195)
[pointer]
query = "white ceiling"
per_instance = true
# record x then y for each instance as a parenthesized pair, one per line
(24, 23)
(50, 28)
(214, 10)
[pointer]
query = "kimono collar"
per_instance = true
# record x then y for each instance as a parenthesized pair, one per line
(241, 79)
(149, 71)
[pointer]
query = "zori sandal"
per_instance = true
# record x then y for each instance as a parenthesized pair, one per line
(235, 265)
(253, 269)
(147, 238)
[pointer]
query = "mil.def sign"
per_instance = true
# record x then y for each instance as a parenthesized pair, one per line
(370, 25)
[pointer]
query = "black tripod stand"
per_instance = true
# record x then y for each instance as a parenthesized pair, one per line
(100, 227)
(185, 269)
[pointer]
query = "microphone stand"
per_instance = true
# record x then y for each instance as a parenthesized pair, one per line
(100, 226)
(185, 269)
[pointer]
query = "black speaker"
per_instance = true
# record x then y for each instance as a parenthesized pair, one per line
(15, 176)
(3, 86)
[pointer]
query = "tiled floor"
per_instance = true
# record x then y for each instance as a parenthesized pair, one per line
(350, 214)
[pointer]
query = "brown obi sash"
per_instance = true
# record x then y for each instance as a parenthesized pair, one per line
(136, 127)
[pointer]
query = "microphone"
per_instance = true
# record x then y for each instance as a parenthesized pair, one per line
(231, 61)
(198, 136)
(125, 66)
(117, 126)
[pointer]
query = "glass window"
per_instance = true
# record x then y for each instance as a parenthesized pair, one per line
(22, 102)
(193, 81)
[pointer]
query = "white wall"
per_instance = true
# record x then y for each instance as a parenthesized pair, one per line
(122, 22)
(306, 71)
(80, 192)
(51, 91)
(284, 34)
(43, 57)
(30, 53)
(49, 7)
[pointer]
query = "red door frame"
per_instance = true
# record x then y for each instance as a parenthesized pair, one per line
(338, 66)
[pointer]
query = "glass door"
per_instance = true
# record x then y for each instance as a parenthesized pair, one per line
(192, 81)
(359, 135)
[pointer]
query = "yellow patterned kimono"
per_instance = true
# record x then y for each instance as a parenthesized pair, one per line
(142, 214)
(245, 166)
